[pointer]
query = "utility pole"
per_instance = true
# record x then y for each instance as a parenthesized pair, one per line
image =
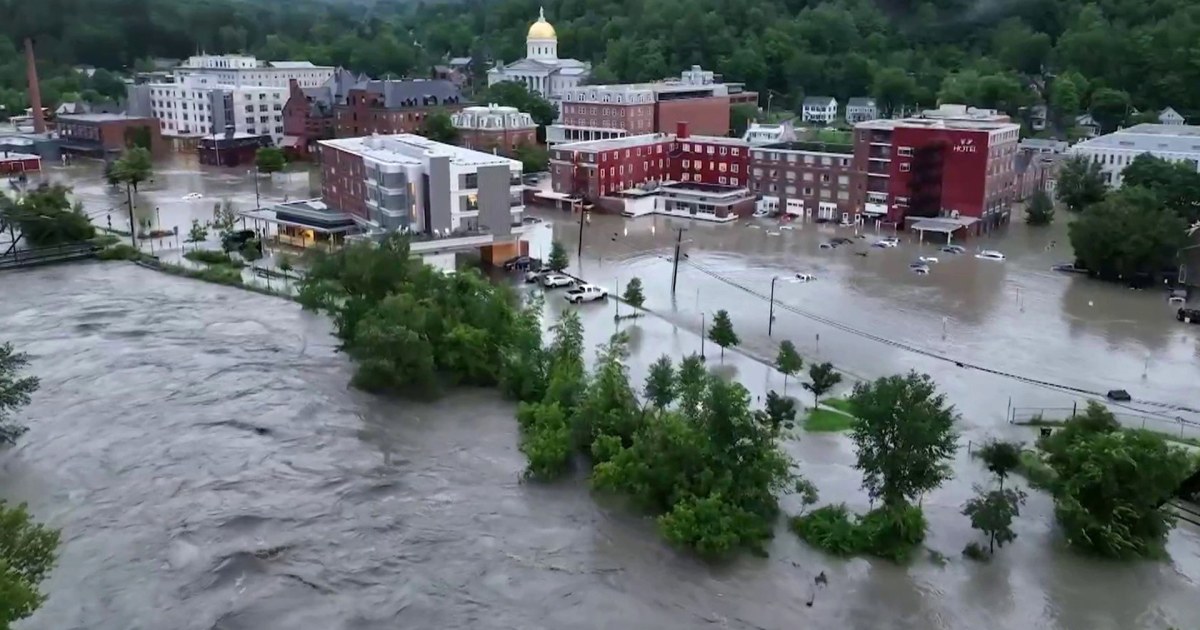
(703, 333)
(771, 321)
(579, 253)
(675, 262)
(132, 227)
(257, 201)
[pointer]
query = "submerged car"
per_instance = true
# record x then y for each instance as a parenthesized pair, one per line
(990, 254)
(1068, 268)
(1188, 315)
(585, 293)
(805, 277)
(954, 249)
(919, 269)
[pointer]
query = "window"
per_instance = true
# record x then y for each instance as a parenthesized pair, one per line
(721, 167)
(808, 158)
(686, 163)
(735, 151)
(905, 167)
(734, 167)
(722, 180)
(723, 151)
(711, 149)
(791, 190)
(733, 180)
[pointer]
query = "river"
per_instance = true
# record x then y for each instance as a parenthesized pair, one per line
(211, 469)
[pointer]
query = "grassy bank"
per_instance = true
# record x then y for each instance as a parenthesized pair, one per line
(229, 275)
(827, 421)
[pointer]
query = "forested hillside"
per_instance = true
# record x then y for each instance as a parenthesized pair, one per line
(1110, 56)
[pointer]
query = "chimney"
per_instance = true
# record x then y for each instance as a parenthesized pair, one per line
(35, 90)
(681, 130)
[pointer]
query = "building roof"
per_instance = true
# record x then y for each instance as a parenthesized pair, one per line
(629, 142)
(98, 118)
(939, 123)
(819, 101)
(292, 65)
(541, 29)
(460, 61)
(1169, 113)
(809, 147)
(861, 101)
(406, 148)
(1147, 137)
(398, 94)
(492, 117)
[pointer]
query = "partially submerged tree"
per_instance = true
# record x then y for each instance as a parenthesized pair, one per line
(1040, 210)
(660, 383)
(15, 391)
(992, 513)
(27, 553)
(1080, 183)
(558, 259)
(198, 233)
(721, 332)
(633, 293)
(822, 379)
(788, 361)
(269, 160)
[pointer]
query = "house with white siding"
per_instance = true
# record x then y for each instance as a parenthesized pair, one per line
(819, 109)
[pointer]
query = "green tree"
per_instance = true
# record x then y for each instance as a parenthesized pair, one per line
(659, 389)
(46, 216)
(546, 440)
(198, 233)
(439, 127)
(1001, 458)
(250, 250)
(534, 157)
(269, 160)
(558, 259)
(822, 379)
(992, 513)
(780, 411)
(1040, 210)
(15, 392)
(1066, 97)
(633, 293)
(1110, 108)
(514, 94)
(740, 117)
(894, 89)
(1127, 236)
(27, 554)
(1177, 184)
(1080, 183)
(904, 434)
(721, 332)
(788, 361)
(134, 167)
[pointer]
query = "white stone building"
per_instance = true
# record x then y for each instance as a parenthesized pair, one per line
(541, 70)
(1114, 151)
(245, 70)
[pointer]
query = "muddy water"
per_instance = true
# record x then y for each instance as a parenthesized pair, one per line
(1016, 316)
(210, 469)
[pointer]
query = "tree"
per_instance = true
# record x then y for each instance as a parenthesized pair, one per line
(822, 379)
(1080, 183)
(514, 94)
(251, 250)
(134, 167)
(894, 89)
(904, 434)
(1129, 236)
(780, 411)
(1109, 487)
(558, 259)
(269, 160)
(1110, 108)
(633, 293)
(1066, 97)
(15, 392)
(47, 217)
(992, 513)
(198, 233)
(534, 157)
(659, 389)
(788, 361)
(1001, 458)
(224, 218)
(1177, 184)
(27, 554)
(285, 263)
(740, 117)
(721, 332)
(439, 127)
(1040, 210)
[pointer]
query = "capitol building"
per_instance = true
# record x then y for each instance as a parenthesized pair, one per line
(541, 70)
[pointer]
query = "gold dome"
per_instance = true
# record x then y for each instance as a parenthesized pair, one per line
(541, 29)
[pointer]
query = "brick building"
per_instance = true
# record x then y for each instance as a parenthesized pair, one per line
(806, 179)
(392, 107)
(494, 128)
(17, 163)
(308, 113)
(230, 148)
(713, 166)
(601, 112)
(106, 135)
(957, 168)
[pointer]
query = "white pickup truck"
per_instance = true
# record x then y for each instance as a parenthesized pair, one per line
(585, 293)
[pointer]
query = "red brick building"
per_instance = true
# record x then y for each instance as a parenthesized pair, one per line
(807, 179)
(391, 107)
(105, 135)
(308, 114)
(494, 128)
(958, 169)
(601, 112)
(591, 170)
(17, 163)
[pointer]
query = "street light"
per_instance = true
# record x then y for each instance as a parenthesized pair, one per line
(771, 321)
(703, 333)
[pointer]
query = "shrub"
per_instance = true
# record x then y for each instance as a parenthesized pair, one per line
(976, 551)
(120, 251)
(882, 532)
(830, 529)
(210, 257)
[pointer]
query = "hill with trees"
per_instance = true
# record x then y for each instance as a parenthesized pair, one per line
(1112, 58)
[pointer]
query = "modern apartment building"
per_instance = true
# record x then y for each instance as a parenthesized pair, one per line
(601, 112)
(806, 179)
(409, 183)
(957, 169)
(246, 70)
(392, 107)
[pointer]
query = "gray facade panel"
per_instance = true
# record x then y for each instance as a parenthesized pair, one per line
(138, 97)
(495, 205)
(438, 191)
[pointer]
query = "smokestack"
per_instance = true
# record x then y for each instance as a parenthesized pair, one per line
(35, 90)
(681, 130)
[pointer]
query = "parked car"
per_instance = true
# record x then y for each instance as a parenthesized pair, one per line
(531, 220)
(1188, 315)
(585, 293)
(235, 241)
(921, 269)
(990, 254)
(954, 249)
(927, 259)
(841, 240)
(1068, 268)
(889, 241)
(829, 245)
(805, 277)
(521, 263)
(535, 275)
(555, 280)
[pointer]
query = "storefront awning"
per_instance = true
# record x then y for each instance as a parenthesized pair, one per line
(944, 225)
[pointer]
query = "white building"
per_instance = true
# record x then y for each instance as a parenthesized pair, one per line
(1114, 151)
(541, 70)
(198, 105)
(758, 134)
(819, 109)
(1169, 116)
(861, 110)
(245, 70)
(410, 183)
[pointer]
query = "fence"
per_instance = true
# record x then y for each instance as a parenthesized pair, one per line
(1180, 428)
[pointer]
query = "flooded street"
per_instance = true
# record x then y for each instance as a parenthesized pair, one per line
(211, 469)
